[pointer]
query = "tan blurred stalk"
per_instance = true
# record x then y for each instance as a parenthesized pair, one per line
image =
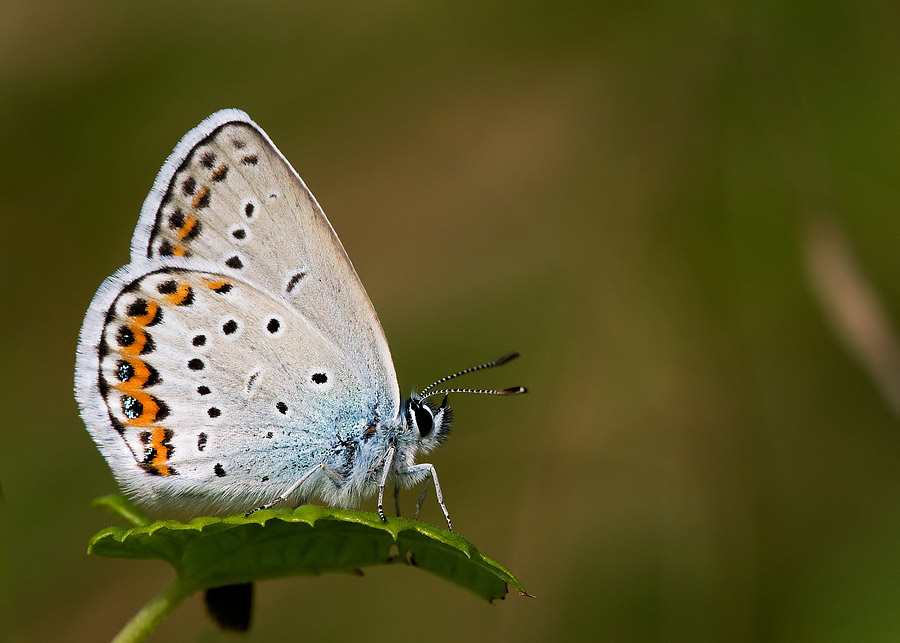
(852, 307)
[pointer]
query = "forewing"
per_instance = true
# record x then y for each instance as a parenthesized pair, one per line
(228, 196)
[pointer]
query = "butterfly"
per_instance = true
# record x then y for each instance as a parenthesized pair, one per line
(237, 362)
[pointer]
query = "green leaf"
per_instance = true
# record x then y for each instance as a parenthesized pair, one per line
(119, 506)
(210, 552)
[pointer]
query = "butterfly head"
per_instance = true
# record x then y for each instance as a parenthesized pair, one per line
(429, 424)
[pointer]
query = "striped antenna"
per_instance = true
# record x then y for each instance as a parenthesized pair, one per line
(515, 390)
(497, 362)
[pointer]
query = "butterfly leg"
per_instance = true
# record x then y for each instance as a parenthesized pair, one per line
(421, 500)
(334, 475)
(397, 498)
(430, 472)
(306, 476)
(388, 462)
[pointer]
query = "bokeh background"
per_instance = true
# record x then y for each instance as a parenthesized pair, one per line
(685, 216)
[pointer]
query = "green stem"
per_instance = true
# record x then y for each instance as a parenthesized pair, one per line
(153, 613)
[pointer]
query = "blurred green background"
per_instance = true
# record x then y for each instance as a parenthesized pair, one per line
(626, 193)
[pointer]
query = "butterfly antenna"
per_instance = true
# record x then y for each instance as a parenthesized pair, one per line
(514, 390)
(497, 362)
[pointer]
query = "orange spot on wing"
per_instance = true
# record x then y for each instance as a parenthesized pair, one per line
(215, 285)
(143, 320)
(140, 340)
(180, 295)
(179, 250)
(159, 442)
(202, 194)
(190, 222)
(148, 414)
(220, 172)
(138, 380)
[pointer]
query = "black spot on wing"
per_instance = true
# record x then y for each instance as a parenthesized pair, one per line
(294, 280)
(124, 371)
(124, 337)
(153, 377)
(188, 186)
(149, 345)
(137, 308)
(176, 219)
(131, 407)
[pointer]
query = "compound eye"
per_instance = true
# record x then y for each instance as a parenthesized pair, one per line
(424, 419)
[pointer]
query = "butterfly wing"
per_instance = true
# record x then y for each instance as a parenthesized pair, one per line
(227, 195)
(207, 394)
(238, 348)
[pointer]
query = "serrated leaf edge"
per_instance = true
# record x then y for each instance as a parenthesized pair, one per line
(310, 515)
